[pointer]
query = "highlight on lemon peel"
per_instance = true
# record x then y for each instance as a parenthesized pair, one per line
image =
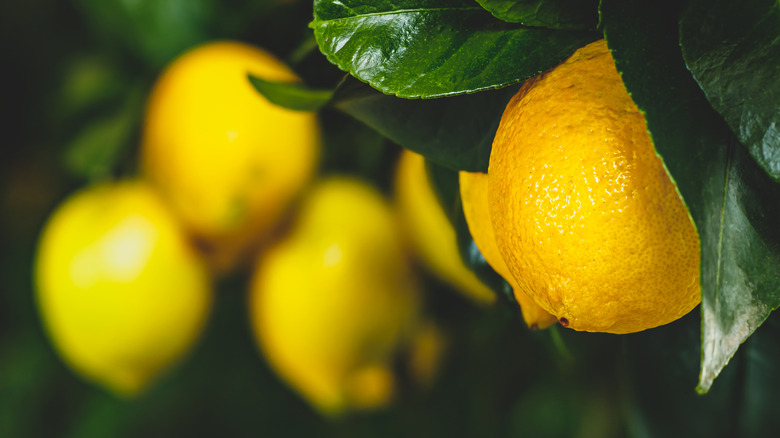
(229, 161)
(121, 293)
(335, 300)
(585, 216)
(474, 194)
(429, 231)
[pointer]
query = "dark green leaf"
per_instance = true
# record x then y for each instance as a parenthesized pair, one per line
(158, 30)
(434, 48)
(295, 97)
(455, 132)
(658, 368)
(96, 150)
(734, 205)
(154, 30)
(733, 50)
(660, 363)
(552, 14)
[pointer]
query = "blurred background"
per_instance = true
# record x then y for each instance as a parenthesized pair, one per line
(77, 73)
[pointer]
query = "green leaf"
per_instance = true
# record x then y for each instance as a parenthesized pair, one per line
(659, 363)
(455, 132)
(158, 30)
(658, 367)
(434, 48)
(155, 30)
(552, 14)
(292, 96)
(733, 50)
(96, 150)
(734, 205)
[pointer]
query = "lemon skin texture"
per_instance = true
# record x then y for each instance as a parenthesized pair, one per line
(429, 232)
(585, 215)
(229, 162)
(334, 301)
(474, 195)
(121, 293)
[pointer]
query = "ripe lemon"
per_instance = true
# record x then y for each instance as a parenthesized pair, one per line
(333, 301)
(429, 231)
(121, 293)
(585, 215)
(227, 160)
(474, 194)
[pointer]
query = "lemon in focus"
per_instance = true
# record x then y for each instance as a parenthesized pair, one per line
(474, 195)
(429, 231)
(229, 161)
(334, 301)
(121, 293)
(585, 216)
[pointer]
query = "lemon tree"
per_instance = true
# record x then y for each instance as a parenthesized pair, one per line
(687, 67)
(434, 77)
(121, 292)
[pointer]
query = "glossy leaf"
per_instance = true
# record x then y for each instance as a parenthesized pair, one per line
(434, 48)
(292, 96)
(734, 205)
(552, 14)
(455, 132)
(733, 50)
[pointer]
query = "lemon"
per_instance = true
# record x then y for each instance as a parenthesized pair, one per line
(334, 300)
(429, 231)
(585, 215)
(474, 194)
(121, 293)
(227, 160)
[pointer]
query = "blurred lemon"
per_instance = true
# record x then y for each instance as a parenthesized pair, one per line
(121, 293)
(228, 161)
(429, 231)
(474, 194)
(333, 301)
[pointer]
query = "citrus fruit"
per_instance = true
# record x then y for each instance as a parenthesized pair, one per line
(429, 231)
(474, 194)
(585, 215)
(120, 291)
(228, 161)
(335, 299)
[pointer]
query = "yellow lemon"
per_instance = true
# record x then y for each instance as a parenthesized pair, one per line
(585, 215)
(429, 231)
(334, 300)
(474, 194)
(120, 291)
(227, 160)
